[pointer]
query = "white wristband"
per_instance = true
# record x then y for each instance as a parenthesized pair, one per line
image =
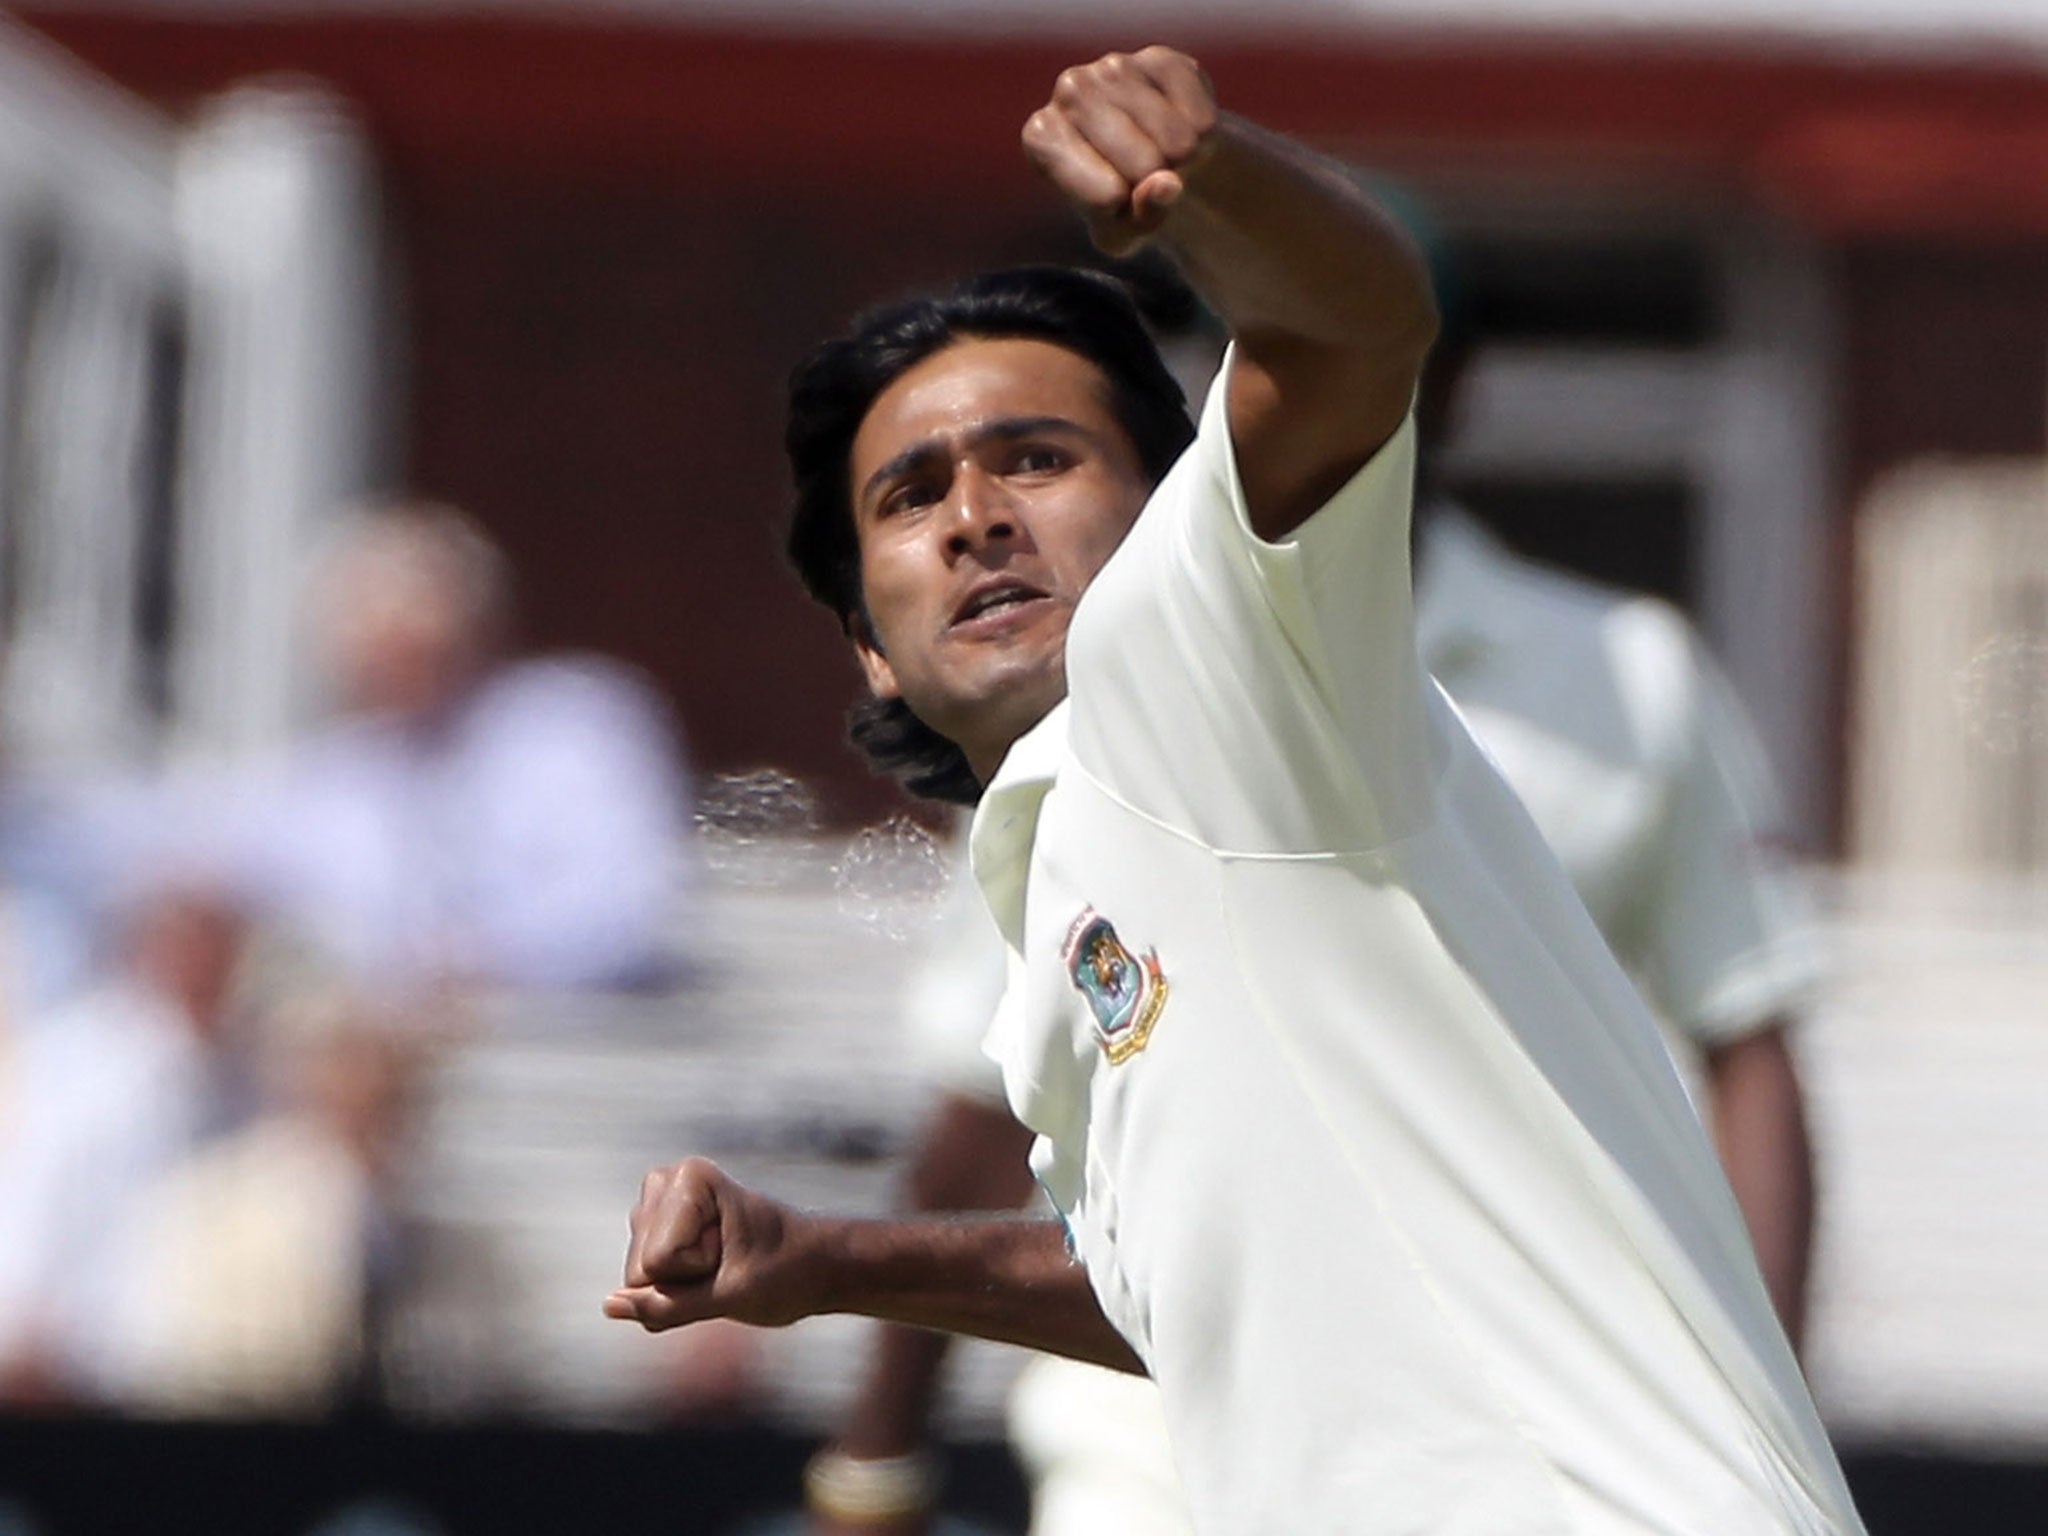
(860, 1490)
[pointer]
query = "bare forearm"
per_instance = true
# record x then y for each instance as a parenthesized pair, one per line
(1007, 1278)
(704, 1246)
(1328, 299)
(1292, 254)
(1759, 1122)
(1330, 305)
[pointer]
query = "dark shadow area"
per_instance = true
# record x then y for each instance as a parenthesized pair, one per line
(107, 1478)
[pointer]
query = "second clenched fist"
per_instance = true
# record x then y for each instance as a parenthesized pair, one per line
(703, 1246)
(1119, 137)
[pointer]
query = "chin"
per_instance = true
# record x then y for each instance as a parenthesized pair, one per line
(1022, 702)
(998, 705)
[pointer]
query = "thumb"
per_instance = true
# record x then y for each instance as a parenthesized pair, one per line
(657, 1308)
(620, 1305)
(1122, 232)
(1151, 197)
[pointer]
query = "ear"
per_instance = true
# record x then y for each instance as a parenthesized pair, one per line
(873, 664)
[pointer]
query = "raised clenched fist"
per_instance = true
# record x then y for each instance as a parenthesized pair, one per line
(1120, 136)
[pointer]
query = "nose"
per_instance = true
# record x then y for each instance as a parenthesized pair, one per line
(979, 513)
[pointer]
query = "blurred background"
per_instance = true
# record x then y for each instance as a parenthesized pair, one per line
(423, 802)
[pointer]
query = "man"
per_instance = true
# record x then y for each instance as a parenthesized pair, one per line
(119, 1086)
(1372, 1159)
(1634, 760)
(466, 816)
(469, 816)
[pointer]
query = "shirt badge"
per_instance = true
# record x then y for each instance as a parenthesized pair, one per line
(1125, 994)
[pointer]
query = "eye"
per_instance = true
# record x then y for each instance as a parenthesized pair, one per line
(1039, 459)
(909, 496)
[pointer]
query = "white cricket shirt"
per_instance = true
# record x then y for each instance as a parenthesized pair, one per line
(1637, 764)
(1368, 1146)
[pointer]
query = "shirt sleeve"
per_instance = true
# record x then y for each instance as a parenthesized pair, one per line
(1260, 697)
(1727, 943)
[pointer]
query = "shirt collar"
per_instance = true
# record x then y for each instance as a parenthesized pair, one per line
(1006, 822)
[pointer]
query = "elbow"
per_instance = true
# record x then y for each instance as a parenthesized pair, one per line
(1407, 353)
(1416, 325)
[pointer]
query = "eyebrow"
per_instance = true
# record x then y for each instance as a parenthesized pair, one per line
(1005, 429)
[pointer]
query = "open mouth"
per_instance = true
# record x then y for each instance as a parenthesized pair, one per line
(995, 598)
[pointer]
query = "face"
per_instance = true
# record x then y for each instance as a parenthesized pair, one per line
(990, 483)
(403, 638)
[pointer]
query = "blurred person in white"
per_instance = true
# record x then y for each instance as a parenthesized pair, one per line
(276, 1253)
(110, 1091)
(1608, 718)
(469, 816)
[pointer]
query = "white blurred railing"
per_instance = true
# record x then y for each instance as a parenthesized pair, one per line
(289, 395)
(191, 382)
(89, 269)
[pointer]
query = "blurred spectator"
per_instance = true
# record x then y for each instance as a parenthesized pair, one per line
(464, 820)
(110, 1091)
(469, 817)
(276, 1253)
(1636, 762)
(1608, 717)
(464, 817)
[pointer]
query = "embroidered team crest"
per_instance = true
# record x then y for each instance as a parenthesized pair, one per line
(1124, 993)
